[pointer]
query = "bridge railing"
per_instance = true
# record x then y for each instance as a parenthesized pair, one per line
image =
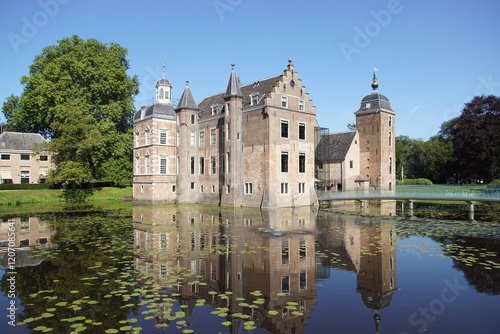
(415, 192)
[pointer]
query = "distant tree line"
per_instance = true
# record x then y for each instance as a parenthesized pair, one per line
(465, 150)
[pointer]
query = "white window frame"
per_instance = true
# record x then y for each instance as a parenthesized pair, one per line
(284, 101)
(301, 105)
(163, 168)
(163, 137)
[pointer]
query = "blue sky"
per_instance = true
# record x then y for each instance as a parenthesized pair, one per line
(431, 56)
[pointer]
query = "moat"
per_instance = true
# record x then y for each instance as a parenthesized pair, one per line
(132, 268)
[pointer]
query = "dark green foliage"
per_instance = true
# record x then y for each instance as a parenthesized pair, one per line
(476, 140)
(78, 94)
(416, 181)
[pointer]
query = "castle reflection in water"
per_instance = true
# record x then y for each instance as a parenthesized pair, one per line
(232, 258)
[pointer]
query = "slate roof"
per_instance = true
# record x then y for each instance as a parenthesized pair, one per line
(261, 88)
(187, 99)
(20, 140)
(163, 81)
(376, 100)
(334, 146)
(156, 110)
(233, 86)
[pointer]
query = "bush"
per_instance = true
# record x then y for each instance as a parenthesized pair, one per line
(421, 181)
(25, 186)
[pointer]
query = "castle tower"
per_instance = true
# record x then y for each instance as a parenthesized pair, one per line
(155, 148)
(232, 192)
(187, 123)
(163, 90)
(375, 123)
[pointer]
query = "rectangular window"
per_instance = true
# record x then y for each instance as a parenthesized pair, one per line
(302, 188)
(193, 139)
(202, 165)
(301, 105)
(303, 280)
(302, 131)
(302, 250)
(248, 188)
(213, 165)
(302, 162)
(5, 157)
(285, 284)
(228, 108)
(254, 99)
(148, 137)
(215, 109)
(284, 162)
(228, 160)
(44, 158)
(201, 188)
(284, 101)
(285, 252)
(192, 165)
(390, 165)
(202, 138)
(137, 165)
(213, 137)
(284, 188)
(147, 164)
(25, 156)
(390, 121)
(390, 139)
(163, 165)
(193, 118)
(163, 137)
(25, 176)
(351, 164)
(192, 185)
(284, 129)
(228, 134)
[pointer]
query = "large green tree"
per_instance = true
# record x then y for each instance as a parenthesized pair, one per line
(476, 140)
(78, 94)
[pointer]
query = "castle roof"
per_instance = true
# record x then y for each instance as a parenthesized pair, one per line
(374, 101)
(260, 88)
(20, 140)
(187, 99)
(163, 81)
(233, 85)
(156, 110)
(334, 146)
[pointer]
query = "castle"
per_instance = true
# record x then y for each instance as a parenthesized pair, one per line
(253, 145)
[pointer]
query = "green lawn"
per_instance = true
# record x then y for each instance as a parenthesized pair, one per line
(16, 197)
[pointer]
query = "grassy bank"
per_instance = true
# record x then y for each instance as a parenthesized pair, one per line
(18, 197)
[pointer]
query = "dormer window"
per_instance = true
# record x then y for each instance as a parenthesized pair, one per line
(367, 106)
(254, 99)
(215, 109)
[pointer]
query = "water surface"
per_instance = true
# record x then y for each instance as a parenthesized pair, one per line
(205, 269)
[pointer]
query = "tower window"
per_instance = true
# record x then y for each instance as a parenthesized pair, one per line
(193, 119)
(163, 165)
(390, 139)
(163, 137)
(192, 165)
(390, 121)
